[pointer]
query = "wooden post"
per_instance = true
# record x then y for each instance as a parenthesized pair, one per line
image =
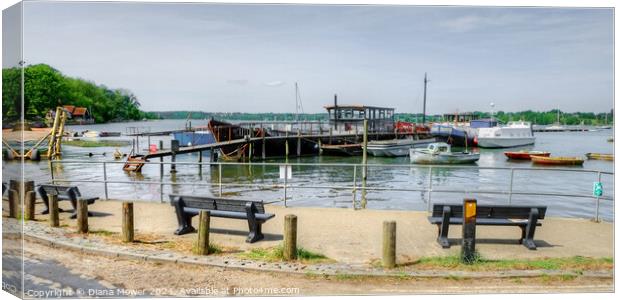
(127, 231)
(29, 205)
(286, 145)
(82, 216)
(53, 208)
(298, 143)
(389, 244)
(250, 152)
(364, 153)
(468, 245)
(204, 218)
(161, 160)
(262, 132)
(174, 147)
(290, 237)
(13, 203)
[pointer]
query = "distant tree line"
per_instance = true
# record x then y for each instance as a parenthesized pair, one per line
(45, 88)
(541, 118)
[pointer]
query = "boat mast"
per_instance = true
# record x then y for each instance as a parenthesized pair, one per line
(424, 105)
(296, 103)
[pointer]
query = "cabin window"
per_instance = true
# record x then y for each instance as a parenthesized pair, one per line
(443, 149)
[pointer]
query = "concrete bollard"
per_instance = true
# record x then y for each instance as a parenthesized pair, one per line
(29, 205)
(82, 216)
(127, 230)
(290, 237)
(389, 244)
(53, 210)
(204, 219)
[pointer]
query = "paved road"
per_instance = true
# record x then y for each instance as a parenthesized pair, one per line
(46, 278)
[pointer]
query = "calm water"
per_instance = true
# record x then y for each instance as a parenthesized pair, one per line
(450, 179)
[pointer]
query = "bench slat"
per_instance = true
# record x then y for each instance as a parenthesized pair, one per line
(484, 221)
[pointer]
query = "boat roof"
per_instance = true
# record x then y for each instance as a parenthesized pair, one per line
(356, 106)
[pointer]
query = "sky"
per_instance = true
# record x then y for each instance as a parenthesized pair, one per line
(247, 58)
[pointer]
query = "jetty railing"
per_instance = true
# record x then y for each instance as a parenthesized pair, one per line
(357, 184)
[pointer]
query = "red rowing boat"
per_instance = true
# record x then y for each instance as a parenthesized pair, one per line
(526, 155)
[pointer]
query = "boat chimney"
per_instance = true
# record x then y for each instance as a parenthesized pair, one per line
(336, 111)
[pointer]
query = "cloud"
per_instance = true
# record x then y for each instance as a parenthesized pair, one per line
(237, 81)
(274, 83)
(462, 24)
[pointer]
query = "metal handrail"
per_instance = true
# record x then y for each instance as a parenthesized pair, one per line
(354, 187)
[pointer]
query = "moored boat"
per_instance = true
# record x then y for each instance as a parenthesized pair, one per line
(600, 156)
(397, 147)
(342, 149)
(441, 153)
(525, 155)
(90, 133)
(109, 134)
(559, 160)
(514, 134)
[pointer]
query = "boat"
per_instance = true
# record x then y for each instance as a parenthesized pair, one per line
(514, 134)
(342, 149)
(525, 155)
(117, 154)
(90, 133)
(194, 137)
(441, 153)
(397, 147)
(559, 160)
(109, 133)
(601, 156)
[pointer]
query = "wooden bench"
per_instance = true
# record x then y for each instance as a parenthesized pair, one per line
(187, 206)
(525, 217)
(64, 192)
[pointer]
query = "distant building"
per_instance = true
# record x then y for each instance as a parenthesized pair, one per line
(80, 115)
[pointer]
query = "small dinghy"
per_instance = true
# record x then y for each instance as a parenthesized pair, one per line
(601, 156)
(560, 160)
(525, 155)
(441, 153)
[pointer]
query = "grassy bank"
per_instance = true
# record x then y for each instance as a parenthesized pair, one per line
(93, 144)
(276, 254)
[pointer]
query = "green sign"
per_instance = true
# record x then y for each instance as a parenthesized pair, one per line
(597, 189)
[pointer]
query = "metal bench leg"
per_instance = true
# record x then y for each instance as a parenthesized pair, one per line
(183, 218)
(528, 240)
(256, 232)
(442, 239)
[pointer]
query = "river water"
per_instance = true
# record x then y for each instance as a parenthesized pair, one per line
(315, 185)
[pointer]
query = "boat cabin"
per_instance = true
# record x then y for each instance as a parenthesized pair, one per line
(438, 148)
(350, 117)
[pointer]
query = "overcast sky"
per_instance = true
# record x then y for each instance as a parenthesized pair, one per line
(248, 57)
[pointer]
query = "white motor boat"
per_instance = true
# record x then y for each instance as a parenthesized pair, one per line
(397, 147)
(441, 153)
(514, 134)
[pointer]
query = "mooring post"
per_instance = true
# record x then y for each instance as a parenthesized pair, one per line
(598, 202)
(29, 205)
(286, 145)
(250, 152)
(298, 143)
(174, 147)
(290, 237)
(105, 180)
(320, 147)
(219, 175)
(364, 154)
(82, 216)
(204, 218)
(262, 133)
(161, 172)
(127, 231)
(468, 246)
(389, 244)
(53, 203)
